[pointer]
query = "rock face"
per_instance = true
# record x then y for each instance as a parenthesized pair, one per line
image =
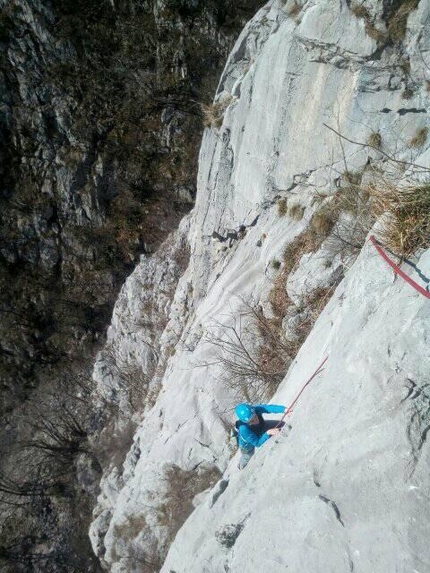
(347, 489)
(100, 126)
(279, 221)
(98, 151)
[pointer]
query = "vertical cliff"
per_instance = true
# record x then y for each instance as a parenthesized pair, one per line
(100, 125)
(319, 105)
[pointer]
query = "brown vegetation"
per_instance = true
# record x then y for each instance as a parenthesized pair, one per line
(375, 33)
(296, 211)
(372, 31)
(294, 10)
(397, 22)
(419, 138)
(375, 139)
(181, 487)
(407, 226)
(282, 207)
(408, 93)
(213, 114)
(360, 11)
(251, 351)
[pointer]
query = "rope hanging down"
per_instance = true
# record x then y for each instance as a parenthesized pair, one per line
(293, 403)
(398, 270)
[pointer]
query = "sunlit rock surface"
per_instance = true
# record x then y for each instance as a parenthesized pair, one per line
(347, 488)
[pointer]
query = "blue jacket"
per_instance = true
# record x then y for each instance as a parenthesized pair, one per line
(253, 436)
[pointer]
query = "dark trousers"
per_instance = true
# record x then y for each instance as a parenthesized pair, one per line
(249, 452)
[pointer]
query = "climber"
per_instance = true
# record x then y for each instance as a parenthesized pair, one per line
(253, 430)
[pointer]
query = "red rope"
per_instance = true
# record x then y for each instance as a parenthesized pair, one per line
(293, 403)
(399, 271)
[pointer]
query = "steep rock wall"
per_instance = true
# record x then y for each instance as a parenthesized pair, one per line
(100, 126)
(355, 431)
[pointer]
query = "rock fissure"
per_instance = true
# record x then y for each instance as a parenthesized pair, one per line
(334, 507)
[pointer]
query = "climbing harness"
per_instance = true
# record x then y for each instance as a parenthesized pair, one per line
(293, 403)
(397, 270)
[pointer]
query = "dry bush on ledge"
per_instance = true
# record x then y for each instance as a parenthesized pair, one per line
(251, 351)
(419, 138)
(182, 486)
(213, 114)
(407, 227)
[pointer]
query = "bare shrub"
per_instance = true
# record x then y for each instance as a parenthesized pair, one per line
(296, 211)
(113, 444)
(131, 379)
(58, 425)
(132, 526)
(181, 256)
(181, 487)
(352, 177)
(372, 31)
(397, 22)
(323, 221)
(349, 219)
(294, 10)
(408, 93)
(351, 199)
(148, 558)
(419, 138)
(375, 33)
(213, 114)
(375, 139)
(278, 296)
(251, 351)
(405, 65)
(310, 308)
(360, 11)
(407, 227)
(307, 242)
(282, 207)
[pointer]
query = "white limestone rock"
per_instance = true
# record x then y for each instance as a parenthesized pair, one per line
(348, 489)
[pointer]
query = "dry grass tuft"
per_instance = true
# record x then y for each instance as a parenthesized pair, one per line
(294, 10)
(181, 487)
(251, 351)
(296, 211)
(375, 33)
(375, 139)
(213, 114)
(307, 242)
(131, 528)
(397, 23)
(352, 177)
(419, 138)
(323, 221)
(408, 224)
(360, 11)
(351, 199)
(372, 31)
(278, 296)
(405, 66)
(408, 93)
(282, 207)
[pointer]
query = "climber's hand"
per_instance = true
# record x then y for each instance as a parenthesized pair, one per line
(274, 431)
